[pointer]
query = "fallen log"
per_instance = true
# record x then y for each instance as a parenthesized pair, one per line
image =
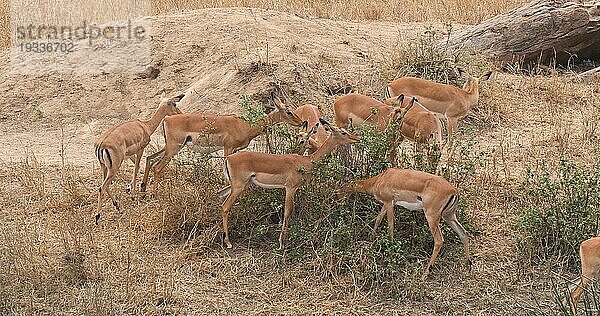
(540, 32)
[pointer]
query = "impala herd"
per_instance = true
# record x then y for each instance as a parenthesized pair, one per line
(415, 104)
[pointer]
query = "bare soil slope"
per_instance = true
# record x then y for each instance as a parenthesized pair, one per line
(217, 54)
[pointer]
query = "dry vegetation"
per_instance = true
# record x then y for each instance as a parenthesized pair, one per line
(163, 255)
(458, 11)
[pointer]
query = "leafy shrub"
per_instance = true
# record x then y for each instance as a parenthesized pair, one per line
(336, 229)
(562, 208)
(251, 113)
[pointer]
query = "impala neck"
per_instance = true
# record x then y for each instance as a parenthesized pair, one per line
(260, 126)
(472, 90)
(328, 146)
(364, 186)
(154, 121)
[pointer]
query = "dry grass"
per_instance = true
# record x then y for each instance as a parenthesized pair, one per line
(164, 255)
(457, 11)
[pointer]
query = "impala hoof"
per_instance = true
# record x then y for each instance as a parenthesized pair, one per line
(97, 218)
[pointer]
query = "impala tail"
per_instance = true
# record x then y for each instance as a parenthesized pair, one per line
(387, 93)
(103, 156)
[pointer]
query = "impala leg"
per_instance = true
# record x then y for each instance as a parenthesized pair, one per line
(231, 198)
(438, 240)
(150, 161)
(101, 192)
(389, 210)
(379, 219)
(460, 231)
(576, 295)
(587, 277)
(290, 193)
(105, 188)
(452, 126)
(137, 157)
(170, 151)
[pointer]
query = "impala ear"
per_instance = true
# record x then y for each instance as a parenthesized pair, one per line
(486, 76)
(304, 125)
(313, 130)
(324, 122)
(178, 98)
(400, 98)
(276, 101)
(412, 103)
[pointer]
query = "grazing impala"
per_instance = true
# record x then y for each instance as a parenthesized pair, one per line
(589, 253)
(353, 110)
(207, 133)
(310, 114)
(276, 171)
(128, 140)
(447, 100)
(416, 190)
(419, 124)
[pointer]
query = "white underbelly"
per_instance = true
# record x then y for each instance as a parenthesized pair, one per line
(266, 185)
(418, 205)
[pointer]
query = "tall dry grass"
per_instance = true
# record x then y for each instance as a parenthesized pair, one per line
(458, 11)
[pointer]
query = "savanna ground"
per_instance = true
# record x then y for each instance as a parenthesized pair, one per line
(163, 254)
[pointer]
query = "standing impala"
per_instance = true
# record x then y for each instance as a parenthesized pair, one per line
(310, 114)
(450, 101)
(589, 253)
(207, 133)
(127, 140)
(276, 171)
(416, 190)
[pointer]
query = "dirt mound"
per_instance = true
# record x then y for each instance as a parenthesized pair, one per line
(216, 55)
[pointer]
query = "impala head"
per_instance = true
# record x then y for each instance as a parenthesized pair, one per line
(400, 111)
(170, 104)
(306, 142)
(341, 135)
(472, 83)
(280, 113)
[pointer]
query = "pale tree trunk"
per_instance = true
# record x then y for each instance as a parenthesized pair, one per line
(541, 31)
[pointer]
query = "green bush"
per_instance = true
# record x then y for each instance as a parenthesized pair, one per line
(336, 229)
(562, 208)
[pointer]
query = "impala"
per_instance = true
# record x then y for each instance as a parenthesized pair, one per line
(127, 140)
(207, 133)
(450, 101)
(276, 171)
(310, 114)
(589, 253)
(419, 124)
(416, 190)
(353, 110)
